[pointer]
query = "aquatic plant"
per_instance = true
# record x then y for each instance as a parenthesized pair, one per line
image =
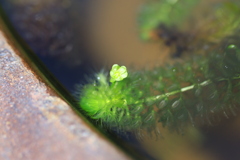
(188, 26)
(201, 88)
(168, 12)
(173, 94)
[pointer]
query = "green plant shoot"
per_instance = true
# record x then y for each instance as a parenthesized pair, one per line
(118, 73)
(173, 95)
(201, 88)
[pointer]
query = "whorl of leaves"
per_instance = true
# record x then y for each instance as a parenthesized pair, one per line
(196, 89)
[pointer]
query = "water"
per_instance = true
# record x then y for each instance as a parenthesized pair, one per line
(90, 35)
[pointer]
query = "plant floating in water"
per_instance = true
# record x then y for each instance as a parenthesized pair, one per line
(174, 95)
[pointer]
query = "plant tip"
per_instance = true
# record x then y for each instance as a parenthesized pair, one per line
(118, 73)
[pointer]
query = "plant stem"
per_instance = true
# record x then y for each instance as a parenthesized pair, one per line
(184, 89)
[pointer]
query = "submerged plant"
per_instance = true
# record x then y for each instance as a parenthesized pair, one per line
(201, 88)
(168, 12)
(174, 95)
(189, 25)
(224, 22)
(221, 19)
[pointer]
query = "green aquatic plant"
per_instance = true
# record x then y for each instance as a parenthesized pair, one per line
(223, 22)
(167, 12)
(118, 73)
(202, 88)
(214, 22)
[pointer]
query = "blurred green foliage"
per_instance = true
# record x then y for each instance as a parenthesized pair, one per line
(167, 12)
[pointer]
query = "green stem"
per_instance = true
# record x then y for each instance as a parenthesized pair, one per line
(184, 89)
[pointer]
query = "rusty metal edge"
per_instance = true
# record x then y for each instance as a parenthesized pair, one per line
(64, 134)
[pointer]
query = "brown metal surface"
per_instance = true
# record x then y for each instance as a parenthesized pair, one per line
(36, 124)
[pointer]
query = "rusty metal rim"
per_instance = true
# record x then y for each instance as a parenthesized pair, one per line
(53, 87)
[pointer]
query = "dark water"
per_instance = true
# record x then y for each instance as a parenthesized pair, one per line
(54, 34)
